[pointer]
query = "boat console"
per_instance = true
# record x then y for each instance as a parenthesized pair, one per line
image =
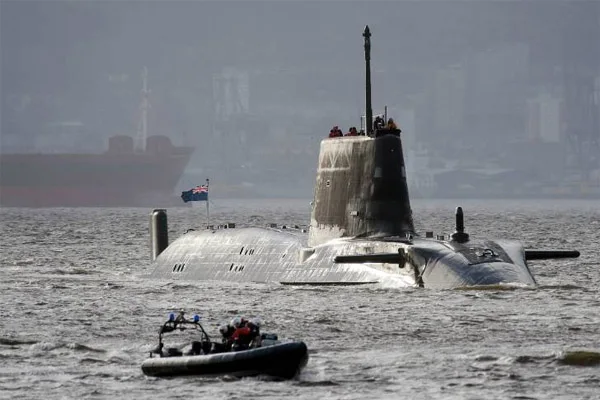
(181, 323)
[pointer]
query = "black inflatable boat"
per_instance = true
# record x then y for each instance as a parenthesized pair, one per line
(279, 359)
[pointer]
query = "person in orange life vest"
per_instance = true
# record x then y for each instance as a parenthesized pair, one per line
(391, 124)
(352, 132)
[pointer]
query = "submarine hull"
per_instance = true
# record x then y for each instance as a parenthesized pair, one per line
(270, 255)
(282, 256)
(448, 264)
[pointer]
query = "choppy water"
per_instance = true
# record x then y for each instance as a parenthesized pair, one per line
(78, 317)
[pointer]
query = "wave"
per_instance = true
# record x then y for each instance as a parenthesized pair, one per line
(21, 263)
(497, 287)
(581, 358)
(316, 383)
(563, 287)
(42, 346)
(584, 358)
(89, 360)
(15, 342)
(74, 271)
(82, 347)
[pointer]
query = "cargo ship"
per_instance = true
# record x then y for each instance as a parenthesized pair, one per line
(120, 177)
(127, 174)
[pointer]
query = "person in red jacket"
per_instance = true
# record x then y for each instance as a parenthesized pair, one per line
(335, 132)
(245, 334)
(352, 132)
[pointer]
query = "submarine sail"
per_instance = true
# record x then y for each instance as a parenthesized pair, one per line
(361, 189)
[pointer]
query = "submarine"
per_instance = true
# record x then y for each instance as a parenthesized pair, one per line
(361, 231)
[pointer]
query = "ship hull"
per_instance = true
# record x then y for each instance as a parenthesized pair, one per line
(91, 180)
(83, 197)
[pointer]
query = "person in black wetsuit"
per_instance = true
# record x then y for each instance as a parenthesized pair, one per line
(226, 330)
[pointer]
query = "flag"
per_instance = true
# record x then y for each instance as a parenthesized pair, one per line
(199, 193)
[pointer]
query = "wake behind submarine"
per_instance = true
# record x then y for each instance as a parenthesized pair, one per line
(361, 231)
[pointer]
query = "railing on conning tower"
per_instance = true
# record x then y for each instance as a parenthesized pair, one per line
(363, 119)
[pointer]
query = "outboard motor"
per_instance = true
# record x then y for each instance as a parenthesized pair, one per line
(159, 232)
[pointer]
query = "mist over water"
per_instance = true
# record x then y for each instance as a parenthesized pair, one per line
(79, 316)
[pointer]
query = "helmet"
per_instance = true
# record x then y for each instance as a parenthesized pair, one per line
(257, 322)
(223, 329)
(237, 322)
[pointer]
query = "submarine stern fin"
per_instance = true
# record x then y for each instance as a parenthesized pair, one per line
(550, 254)
(389, 258)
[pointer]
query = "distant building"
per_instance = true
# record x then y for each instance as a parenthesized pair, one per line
(597, 103)
(449, 100)
(545, 120)
(496, 91)
(231, 93)
(406, 120)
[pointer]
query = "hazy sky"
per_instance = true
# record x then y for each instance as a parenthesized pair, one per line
(81, 60)
(118, 35)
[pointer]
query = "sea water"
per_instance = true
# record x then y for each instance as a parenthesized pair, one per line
(78, 314)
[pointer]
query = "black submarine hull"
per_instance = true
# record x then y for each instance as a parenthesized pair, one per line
(283, 360)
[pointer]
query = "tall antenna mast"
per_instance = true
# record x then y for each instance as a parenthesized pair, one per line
(369, 109)
(142, 132)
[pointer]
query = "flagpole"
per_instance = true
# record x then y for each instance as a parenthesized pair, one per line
(207, 213)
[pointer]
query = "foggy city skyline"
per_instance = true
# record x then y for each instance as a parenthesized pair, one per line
(504, 91)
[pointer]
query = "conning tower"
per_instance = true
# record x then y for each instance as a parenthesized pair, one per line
(361, 188)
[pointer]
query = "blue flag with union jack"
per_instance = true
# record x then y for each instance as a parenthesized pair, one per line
(199, 193)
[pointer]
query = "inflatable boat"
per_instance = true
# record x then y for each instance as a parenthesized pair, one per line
(274, 358)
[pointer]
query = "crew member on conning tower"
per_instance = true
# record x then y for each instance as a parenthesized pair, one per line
(335, 132)
(352, 132)
(391, 125)
(378, 123)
